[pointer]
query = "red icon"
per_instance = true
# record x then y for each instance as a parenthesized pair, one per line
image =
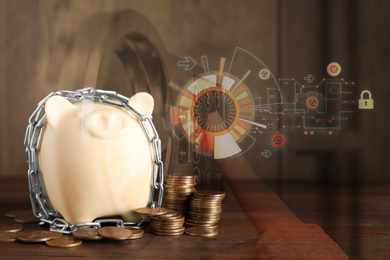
(334, 69)
(278, 140)
(312, 102)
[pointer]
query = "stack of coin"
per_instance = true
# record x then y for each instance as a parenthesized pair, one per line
(178, 192)
(169, 224)
(137, 232)
(205, 209)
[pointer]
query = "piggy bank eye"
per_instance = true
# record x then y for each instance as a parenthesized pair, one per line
(107, 124)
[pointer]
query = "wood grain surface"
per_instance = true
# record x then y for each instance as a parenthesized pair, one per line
(361, 229)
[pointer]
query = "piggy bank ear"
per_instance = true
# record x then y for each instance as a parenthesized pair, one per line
(142, 102)
(56, 107)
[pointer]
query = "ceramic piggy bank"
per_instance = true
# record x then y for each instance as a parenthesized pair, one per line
(95, 159)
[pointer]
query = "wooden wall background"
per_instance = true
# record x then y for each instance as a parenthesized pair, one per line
(292, 37)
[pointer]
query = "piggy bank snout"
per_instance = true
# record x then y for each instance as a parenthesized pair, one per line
(107, 124)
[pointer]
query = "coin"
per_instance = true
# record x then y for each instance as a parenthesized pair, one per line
(115, 233)
(64, 241)
(151, 211)
(35, 236)
(8, 236)
(181, 176)
(56, 234)
(169, 233)
(178, 218)
(136, 232)
(170, 213)
(210, 193)
(167, 230)
(15, 213)
(178, 191)
(87, 234)
(190, 225)
(10, 228)
(202, 232)
(27, 218)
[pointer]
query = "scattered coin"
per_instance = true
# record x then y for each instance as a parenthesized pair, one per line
(56, 234)
(15, 213)
(27, 218)
(115, 233)
(10, 228)
(202, 231)
(136, 232)
(8, 236)
(151, 211)
(35, 236)
(64, 241)
(87, 234)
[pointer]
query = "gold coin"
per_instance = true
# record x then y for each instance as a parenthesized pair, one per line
(87, 234)
(200, 218)
(203, 207)
(115, 233)
(181, 176)
(189, 225)
(136, 232)
(15, 213)
(180, 182)
(35, 236)
(174, 232)
(151, 211)
(205, 211)
(206, 201)
(64, 241)
(171, 213)
(8, 236)
(27, 218)
(202, 232)
(10, 228)
(172, 224)
(205, 214)
(56, 234)
(169, 230)
(161, 218)
(210, 193)
(168, 234)
(202, 221)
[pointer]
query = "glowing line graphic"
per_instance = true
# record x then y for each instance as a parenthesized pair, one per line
(221, 65)
(243, 78)
(253, 123)
(205, 63)
(174, 86)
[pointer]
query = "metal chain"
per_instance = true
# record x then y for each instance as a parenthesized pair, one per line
(32, 143)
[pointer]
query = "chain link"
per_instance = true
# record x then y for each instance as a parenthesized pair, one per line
(32, 143)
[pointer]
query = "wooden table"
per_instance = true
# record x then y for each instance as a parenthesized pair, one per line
(358, 219)
(234, 228)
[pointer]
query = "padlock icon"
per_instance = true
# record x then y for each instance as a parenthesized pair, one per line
(366, 103)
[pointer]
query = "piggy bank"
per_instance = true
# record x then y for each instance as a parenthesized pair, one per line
(95, 159)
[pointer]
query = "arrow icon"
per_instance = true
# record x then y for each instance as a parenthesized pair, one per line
(309, 78)
(266, 154)
(188, 63)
